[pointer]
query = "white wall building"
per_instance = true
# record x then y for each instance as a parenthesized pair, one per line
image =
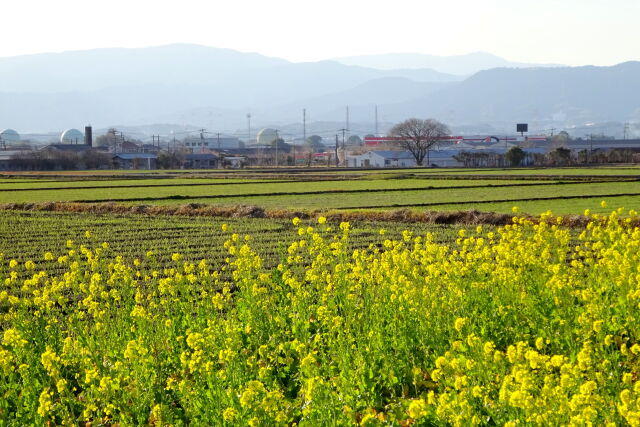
(382, 159)
(402, 159)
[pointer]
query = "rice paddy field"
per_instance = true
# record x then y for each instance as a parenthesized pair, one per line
(378, 298)
(564, 191)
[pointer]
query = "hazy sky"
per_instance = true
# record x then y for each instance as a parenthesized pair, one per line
(573, 32)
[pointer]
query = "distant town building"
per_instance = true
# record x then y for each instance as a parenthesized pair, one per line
(6, 159)
(72, 136)
(200, 161)
(129, 147)
(8, 137)
(381, 159)
(267, 137)
(134, 161)
(213, 143)
(70, 148)
(235, 161)
(149, 148)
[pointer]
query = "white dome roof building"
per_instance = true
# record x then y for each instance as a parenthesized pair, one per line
(9, 136)
(72, 136)
(267, 137)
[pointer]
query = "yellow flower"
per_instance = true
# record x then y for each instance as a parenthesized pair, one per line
(229, 414)
(597, 325)
(460, 323)
(46, 404)
(322, 220)
(296, 221)
(476, 391)
(13, 337)
(417, 409)
(557, 361)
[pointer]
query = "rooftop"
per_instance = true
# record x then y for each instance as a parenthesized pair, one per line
(201, 156)
(132, 156)
(67, 147)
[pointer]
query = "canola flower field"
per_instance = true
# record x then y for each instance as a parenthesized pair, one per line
(525, 324)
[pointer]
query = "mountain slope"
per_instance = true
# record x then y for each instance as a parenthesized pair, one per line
(100, 68)
(577, 94)
(215, 88)
(105, 86)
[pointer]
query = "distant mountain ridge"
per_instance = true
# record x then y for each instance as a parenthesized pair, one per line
(178, 64)
(455, 64)
(103, 86)
(216, 88)
(97, 69)
(578, 94)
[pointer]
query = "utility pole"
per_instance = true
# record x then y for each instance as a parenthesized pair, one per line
(343, 130)
(248, 127)
(304, 136)
(336, 150)
(304, 125)
(376, 119)
(552, 129)
(277, 147)
(626, 130)
(218, 136)
(347, 124)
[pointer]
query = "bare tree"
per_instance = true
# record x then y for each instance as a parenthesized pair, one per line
(418, 136)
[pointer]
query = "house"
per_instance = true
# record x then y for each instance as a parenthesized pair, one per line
(200, 161)
(149, 148)
(129, 147)
(382, 159)
(403, 159)
(7, 159)
(69, 148)
(223, 142)
(134, 161)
